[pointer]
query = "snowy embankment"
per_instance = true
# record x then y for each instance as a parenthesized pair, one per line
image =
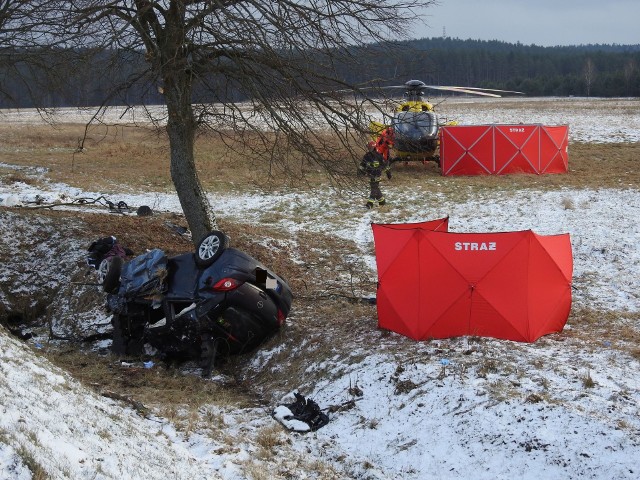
(565, 406)
(449, 419)
(74, 433)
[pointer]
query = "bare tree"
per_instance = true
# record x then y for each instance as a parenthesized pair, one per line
(589, 72)
(629, 69)
(31, 52)
(10, 29)
(256, 67)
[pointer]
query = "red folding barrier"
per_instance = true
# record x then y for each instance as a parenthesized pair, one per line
(435, 284)
(503, 149)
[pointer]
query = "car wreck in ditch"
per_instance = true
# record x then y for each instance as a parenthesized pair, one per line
(203, 305)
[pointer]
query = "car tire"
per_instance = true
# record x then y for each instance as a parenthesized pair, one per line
(128, 337)
(210, 247)
(109, 273)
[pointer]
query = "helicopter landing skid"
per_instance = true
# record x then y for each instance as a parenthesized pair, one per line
(424, 160)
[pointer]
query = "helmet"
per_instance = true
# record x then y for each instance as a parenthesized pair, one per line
(371, 145)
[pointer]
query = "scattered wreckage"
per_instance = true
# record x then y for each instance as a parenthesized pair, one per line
(202, 305)
(302, 415)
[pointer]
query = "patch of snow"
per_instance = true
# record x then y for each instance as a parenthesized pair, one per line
(285, 417)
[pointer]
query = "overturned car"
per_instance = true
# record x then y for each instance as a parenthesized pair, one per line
(202, 305)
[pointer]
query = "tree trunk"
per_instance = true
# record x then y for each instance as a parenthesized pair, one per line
(181, 128)
(181, 124)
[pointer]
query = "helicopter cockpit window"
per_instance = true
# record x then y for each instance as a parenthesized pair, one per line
(415, 125)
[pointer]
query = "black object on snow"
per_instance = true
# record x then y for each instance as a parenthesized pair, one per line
(144, 211)
(177, 228)
(307, 411)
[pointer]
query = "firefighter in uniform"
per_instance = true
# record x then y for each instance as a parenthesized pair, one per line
(374, 165)
(385, 142)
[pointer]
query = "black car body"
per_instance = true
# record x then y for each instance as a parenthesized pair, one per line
(200, 305)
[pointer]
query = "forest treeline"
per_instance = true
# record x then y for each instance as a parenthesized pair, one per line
(120, 77)
(584, 70)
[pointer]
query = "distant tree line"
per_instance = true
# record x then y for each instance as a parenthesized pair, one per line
(82, 78)
(583, 70)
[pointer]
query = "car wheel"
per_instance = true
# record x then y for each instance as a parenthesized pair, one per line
(102, 268)
(109, 274)
(210, 247)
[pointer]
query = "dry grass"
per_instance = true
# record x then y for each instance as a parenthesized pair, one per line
(596, 329)
(158, 387)
(37, 471)
(268, 440)
(138, 157)
(587, 381)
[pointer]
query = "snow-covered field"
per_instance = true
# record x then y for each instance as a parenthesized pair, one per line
(566, 406)
(601, 120)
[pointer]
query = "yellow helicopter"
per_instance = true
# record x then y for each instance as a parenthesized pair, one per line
(413, 132)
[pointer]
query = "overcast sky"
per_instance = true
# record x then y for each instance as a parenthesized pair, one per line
(543, 22)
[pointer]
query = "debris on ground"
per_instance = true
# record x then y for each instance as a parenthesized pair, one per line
(303, 415)
(180, 230)
(105, 248)
(144, 211)
(114, 207)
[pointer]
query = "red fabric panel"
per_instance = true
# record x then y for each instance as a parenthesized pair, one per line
(479, 260)
(503, 149)
(514, 285)
(399, 301)
(554, 156)
(445, 292)
(452, 322)
(466, 150)
(488, 321)
(550, 274)
(438, 225)
(398, 261)
(504, 288)
(517, 149)
(391, 238)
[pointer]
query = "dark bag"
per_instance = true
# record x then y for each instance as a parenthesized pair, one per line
(307, 411)
(98, 250)
(105, 248)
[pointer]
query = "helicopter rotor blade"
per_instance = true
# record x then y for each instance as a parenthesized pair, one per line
(461, 90)
(417, 86)
(488, 90)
